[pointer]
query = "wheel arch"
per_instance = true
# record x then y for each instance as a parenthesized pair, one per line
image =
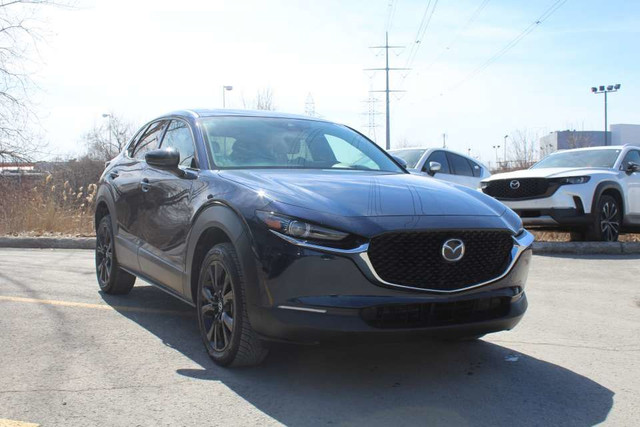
(612, 189)
(218, 223)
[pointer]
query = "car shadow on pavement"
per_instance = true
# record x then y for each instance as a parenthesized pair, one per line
(420, 383)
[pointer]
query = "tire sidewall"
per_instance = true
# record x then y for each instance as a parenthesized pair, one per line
(221, 253)
(105, 224)
(597, 226)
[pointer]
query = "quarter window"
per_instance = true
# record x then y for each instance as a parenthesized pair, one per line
(178, 136)
(477, 170)
(150, 140)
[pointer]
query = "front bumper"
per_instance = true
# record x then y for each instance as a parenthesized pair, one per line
(315, 296)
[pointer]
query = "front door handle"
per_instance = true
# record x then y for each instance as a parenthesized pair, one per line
(114, 174)
(144, 185)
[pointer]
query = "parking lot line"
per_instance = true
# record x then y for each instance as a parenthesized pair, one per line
(93, 306)
(14, 423)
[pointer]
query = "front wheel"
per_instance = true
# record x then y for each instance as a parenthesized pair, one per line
(222, 311)
(608, 218)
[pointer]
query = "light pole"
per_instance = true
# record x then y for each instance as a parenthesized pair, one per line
(496, 147)
(505, 148)
(224, 89)
(605, 90)
(110, 116)
(444, 140)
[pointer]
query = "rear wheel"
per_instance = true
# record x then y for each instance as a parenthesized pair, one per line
(607, 222)
(111, 278)
(222, 311)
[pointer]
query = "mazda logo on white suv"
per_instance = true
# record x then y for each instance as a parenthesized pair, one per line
(514, 185)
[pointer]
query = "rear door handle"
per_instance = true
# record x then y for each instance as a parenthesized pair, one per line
(114, 174)
(144, 185)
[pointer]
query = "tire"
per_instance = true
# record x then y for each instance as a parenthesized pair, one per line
(608, 217)
(112, 279)
(222, 311)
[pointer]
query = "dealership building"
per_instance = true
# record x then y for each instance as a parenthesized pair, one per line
(619, 134)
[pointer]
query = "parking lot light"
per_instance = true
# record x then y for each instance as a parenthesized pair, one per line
(602, 89)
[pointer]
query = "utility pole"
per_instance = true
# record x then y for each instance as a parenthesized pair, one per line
(387, 91)
(444, 140)
(605, 90)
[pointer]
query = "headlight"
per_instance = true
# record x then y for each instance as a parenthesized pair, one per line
(572, 180)
(299, 229)
(484, 185)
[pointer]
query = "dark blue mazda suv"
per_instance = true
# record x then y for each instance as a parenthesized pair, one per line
(286, 228)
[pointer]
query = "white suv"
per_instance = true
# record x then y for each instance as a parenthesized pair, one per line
(454, 167)
(594, 192)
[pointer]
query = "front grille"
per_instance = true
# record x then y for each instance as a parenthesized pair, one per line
(435, 313)
(528, 188)
(415, 258)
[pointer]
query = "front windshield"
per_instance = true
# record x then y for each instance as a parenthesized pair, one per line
(579, 159)
(258, 142)
(410, 155)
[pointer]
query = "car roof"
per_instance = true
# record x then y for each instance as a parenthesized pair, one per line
(201, 112)
(600, 147)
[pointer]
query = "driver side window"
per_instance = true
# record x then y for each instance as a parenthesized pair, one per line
(440, 157)
(149, 140)
(178, 137)
(632, 156)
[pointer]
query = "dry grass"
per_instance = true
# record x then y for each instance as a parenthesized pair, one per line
(555, 236)
(46, 207)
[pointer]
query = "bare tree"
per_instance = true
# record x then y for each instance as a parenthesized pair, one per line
(262, 101)
(522, 149)
(19, 36)
(109, 138)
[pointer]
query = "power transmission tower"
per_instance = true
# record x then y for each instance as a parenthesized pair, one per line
(310, 106)
(371, 113)
(387, 91)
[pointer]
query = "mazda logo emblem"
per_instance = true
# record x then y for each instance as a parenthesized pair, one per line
(515, 184)
(453, 250)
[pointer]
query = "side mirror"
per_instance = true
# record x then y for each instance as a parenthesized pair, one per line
(167, 158)
(434, 167)
(399, 160)
(632, 167)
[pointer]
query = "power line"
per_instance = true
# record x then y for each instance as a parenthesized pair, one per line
(391, 13)
(550, 11)
(455, 39)
(422, 29)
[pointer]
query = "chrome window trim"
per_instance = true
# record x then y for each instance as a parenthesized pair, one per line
(522, 242)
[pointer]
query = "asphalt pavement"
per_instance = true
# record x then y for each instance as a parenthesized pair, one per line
(70, 355)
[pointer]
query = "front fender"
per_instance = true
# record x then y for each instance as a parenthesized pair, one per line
(222, 217)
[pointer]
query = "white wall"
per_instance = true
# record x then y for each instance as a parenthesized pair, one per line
(625, 134)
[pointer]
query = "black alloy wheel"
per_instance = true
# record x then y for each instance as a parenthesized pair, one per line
(111, 278)
(222, 310)
(217, 307)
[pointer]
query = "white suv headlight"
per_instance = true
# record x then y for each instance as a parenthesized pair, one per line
(572, 180)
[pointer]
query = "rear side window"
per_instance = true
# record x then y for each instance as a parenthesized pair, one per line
(460, 165)
(150, 139)
(178, 136)
(477, 170)
(440, 157)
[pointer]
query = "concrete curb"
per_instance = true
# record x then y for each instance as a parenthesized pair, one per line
(48, 242)
(539, 248)
(586, 248)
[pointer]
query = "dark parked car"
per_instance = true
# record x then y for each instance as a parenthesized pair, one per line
(285, 228)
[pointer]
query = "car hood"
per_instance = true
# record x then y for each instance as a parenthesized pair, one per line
(363, 193)
(548, 173)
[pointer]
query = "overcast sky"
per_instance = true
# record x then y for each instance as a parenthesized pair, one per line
(141, 59)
